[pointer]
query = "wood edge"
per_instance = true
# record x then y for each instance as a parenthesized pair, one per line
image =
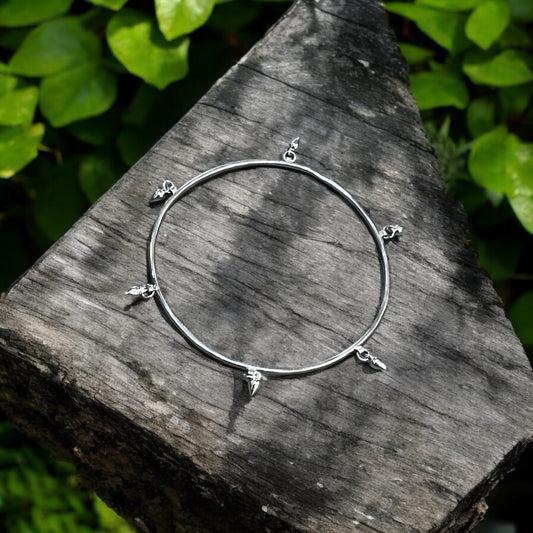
(470, 511)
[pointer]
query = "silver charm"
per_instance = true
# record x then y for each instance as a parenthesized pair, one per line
(390, 232)
(144, 291)
(253, 378)
(290, 155)
(162, 193)
(366, 357)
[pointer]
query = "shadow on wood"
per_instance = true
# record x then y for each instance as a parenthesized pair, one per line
(270, 267)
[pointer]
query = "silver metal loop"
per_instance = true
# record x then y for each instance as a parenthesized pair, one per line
(289, 157)
(362, 354)
(265, 372)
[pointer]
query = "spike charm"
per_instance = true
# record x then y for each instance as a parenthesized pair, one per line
(144, 291)
(366, 357)
(162, 193)
(290, 155)
(253, 378)
(390, 232)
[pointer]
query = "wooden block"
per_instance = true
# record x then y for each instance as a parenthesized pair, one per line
(272, 268)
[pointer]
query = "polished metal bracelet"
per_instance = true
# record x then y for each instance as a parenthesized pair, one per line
(254, 375)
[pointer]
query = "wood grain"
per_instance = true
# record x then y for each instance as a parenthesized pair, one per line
(270, 267)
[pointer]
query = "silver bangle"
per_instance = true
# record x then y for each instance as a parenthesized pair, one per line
(255, 374)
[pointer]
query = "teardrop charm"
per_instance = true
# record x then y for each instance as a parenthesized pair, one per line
(253, 378)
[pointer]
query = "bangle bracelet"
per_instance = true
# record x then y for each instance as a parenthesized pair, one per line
(254, 374)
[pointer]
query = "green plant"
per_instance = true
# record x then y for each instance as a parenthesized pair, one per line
(471, 71)
(484, 69)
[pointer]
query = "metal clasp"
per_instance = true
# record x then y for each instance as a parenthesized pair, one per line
(290, 155)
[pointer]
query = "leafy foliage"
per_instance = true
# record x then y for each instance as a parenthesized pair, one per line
(18, 146)
(180, 17)
(473, 81)
(86, 87)
(15, 13)
(138, 44)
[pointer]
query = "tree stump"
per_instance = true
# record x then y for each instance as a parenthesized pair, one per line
(273, 268)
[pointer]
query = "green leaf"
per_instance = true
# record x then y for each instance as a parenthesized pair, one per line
(522, 204)
(99, 131)
(136, 42)
(141, 105)
(132, 144)
(234, 15)
(18, 107)
(470, 195)
(27, 12)
(180, 17)
(515, 36)
(98, 172)
(59, 201)
(7, 83)
(445, 28)
(520, 174)
(109, 520)
(500, 162)
(451, 5)
(503, 69)
(14, 246)
(499, 256)
(415, 54)
(451, 67)
(515, 100)
(480, 116)
(54, 46)
(519, 164)
(18, 146)
(115, 5)
(12, 39)
(437, 90)
(487, 22)
(522, 318)
(522, 10)
(80, 92)
(487, 160)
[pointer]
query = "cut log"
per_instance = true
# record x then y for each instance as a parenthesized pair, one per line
(272, 268)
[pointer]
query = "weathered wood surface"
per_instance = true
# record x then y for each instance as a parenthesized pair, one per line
(272, 268)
